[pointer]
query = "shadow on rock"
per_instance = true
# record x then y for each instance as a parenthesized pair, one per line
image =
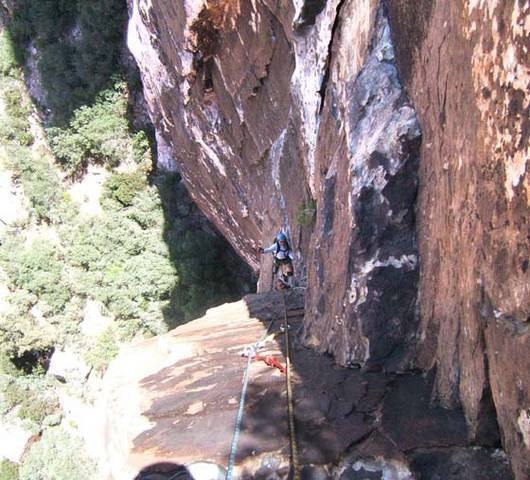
(350, 423)
(174, 471)
(164, 471)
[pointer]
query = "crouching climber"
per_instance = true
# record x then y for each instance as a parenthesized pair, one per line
(283, 257)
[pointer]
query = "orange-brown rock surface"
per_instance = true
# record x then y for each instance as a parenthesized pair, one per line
(408, 124)
(467, 70)
(171, 404)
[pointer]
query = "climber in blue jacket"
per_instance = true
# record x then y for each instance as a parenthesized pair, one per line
(283, 255)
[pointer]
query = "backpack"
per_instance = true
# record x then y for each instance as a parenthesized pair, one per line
(287, 247)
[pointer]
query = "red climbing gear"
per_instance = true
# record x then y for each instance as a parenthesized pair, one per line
(271, 362)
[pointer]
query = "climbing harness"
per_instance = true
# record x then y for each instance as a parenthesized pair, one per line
(251, 353)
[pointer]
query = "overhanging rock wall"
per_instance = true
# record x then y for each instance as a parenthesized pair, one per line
(269, 106)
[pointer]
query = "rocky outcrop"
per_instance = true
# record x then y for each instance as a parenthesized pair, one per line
(270, 107)
(14, 436)
(67, 366)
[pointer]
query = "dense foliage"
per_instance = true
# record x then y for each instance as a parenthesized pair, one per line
(58, 455)
(143, 256)
(8, 470)
(79, 45)
(96, 133)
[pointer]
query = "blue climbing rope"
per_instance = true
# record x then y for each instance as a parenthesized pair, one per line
(251, 353)
(239, 418)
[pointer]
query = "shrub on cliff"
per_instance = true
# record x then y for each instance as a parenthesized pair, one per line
(96, 133)
(305, 214)
(60, 454)
(8, 470)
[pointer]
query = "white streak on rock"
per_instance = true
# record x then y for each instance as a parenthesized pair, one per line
(524, 425)
(140, 42)
(165, 158)
(391, 469)
(311, 53)
(211, 154)
(275, 156)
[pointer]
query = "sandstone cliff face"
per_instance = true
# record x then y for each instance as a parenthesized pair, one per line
(268, 105)
(467, 69)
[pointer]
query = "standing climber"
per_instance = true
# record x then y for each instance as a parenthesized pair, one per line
(283, 256)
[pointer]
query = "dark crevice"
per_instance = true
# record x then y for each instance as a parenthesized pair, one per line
(31, 360)
(309, 13)
(487, 432)
(323, 85)
(433, 448)
(360, 440)
(208, 75)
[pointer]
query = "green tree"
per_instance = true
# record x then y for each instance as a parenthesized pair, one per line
(59, 455)
(97, 133)
(8, 470)
(42, 186)
(103, 350)
(124, 186)
(37, 269)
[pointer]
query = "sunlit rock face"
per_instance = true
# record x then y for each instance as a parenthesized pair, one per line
(267, 105)
(407, 123)
(217, 79)
(466, 66)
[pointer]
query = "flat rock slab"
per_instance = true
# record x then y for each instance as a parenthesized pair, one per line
(172, 401)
